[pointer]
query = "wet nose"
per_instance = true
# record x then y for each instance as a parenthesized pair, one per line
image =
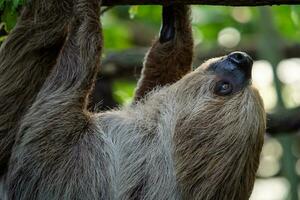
(243, 62)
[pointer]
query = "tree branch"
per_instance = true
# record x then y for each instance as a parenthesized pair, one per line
(202, 2)
(129, 62)
(285, 121)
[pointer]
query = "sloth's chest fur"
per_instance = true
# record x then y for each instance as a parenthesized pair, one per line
(139, 159)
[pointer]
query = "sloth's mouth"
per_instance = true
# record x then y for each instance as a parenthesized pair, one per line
(234, 70)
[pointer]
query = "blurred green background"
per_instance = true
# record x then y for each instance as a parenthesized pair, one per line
(271, 35)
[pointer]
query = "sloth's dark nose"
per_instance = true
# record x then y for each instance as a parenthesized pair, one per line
(242, 61)
(234, 69)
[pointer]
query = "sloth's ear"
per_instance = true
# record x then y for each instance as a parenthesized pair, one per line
(167, 32)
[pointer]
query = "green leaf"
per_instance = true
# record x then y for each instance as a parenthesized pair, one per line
(295, 15)
(15, 3)
(133, 11)
(123, 91)
(9, 17)
(286, 27)
(2, 38)
(116, 33)
(2, 4)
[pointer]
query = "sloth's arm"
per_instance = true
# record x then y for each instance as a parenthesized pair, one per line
(170, 57)
(27, 56)
(57, 155)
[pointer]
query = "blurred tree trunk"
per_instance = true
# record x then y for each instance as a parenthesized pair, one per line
(269, 47)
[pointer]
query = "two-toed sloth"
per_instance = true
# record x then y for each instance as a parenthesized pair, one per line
(197, 135)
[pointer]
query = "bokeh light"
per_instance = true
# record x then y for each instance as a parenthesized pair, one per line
(229, 37)
(270, 189)
(262, 77)
(288, 71)
(270, 158)
(241, 14)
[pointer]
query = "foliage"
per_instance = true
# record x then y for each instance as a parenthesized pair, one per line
(208, 21)
(123, 91)
(9, 12)
(130, 26)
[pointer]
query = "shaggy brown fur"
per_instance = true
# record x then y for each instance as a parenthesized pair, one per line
(33, 172)
(168, 62)
(181, 141)
(27, 56)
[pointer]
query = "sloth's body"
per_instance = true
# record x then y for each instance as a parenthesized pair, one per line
(196, 136)
(182, 140)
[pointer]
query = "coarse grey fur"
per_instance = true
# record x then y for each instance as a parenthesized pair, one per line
(2, 190)
(180, 141)
(140, 144)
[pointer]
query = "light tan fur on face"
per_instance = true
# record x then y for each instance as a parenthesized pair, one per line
(217, 139)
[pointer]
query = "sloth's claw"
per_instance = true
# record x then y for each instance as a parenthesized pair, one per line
(167, 32)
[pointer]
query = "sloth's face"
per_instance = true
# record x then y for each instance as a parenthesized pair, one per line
(220, 128)
(232, 73)
(219, 93)
(221, 83)
(221, 88)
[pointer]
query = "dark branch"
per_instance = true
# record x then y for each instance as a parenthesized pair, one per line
(129, 62)
(282, 122)
(202, 2)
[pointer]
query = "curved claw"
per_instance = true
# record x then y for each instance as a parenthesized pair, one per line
(167, 31)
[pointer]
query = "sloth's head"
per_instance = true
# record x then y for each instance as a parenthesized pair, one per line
(231, 73)
(219, 130)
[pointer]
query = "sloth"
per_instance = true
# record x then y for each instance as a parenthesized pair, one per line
(187, 135)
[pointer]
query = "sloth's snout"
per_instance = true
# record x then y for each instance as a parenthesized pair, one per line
(233, 70)
(243, 62)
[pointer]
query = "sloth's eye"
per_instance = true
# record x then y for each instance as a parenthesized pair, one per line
(223, 88)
